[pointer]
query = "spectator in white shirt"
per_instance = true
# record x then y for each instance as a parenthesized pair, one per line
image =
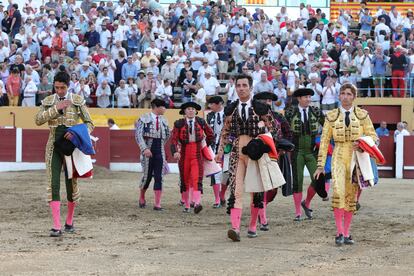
(400, 131)
(164, 91)
(365, 68)
(29, 92)
(316, 87)
(210, 84)
(82, 89)
(123, 95)
(231, 90)
(103, 92)
(281, 94)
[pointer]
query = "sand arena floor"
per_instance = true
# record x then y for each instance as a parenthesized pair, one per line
(115, 237)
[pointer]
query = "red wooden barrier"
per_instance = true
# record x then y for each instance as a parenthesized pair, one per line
(408, 157)
(8, 145)
(389, 113)
(387, 147)
(123, 147)
(34, 145)
(102, 146)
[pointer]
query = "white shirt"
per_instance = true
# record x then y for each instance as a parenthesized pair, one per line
(103, 96)
(210, 86)
(212, 58)
(317, 88)
(123, 96)
(104, 38)
(366, 66)
(275, 51)
(301, 113)
(240, 108)
(403, 132)
(83, 53)
(231, 94)
(343, 110)
(163, 91)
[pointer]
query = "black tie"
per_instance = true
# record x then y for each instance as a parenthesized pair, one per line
(191, 127)
(244, 115)
(305, 122)
(218, 119)
(347, 120)
(61, 98)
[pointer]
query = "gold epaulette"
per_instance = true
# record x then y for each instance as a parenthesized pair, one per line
(360, 113)
(78, 100)
(333, 115)
(49, 100)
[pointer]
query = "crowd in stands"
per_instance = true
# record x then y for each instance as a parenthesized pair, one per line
(124, 54)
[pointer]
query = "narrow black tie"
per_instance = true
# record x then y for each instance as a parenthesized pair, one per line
(244, 115)
(347, 120)
(218, 119)
(191, 127)
(305, 122)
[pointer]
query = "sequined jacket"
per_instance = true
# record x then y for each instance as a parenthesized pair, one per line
(293, 116)
(48, 113)
(259, 122)
(334, 127)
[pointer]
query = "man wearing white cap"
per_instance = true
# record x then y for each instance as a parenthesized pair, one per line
(210, 84)
(162, 42)
(168, 70)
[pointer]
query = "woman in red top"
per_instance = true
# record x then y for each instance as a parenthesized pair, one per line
(13, 87)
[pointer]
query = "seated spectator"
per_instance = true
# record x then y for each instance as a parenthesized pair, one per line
(382, 130)
(188, 86)
(210, 84)
(401, 131)
(263, 85)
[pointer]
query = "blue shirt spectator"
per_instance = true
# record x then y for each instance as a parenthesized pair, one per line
(380, 65)
(129, 70)
(382, 130)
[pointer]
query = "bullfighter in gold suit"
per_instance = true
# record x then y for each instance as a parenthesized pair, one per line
(61, 111)
(345, 125)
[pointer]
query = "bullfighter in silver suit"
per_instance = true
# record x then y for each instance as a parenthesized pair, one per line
(151, 134)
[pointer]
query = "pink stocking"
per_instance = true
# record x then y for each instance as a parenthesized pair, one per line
(55, 206)
(71, 212)
(191, 195)
(216, 189)
(309, 195)
(142, 196)
(347, 222)
(297, 198)
(197, 197)
(235, 218)
(157, 196)
(254, 212)
(338, 214)
(262, 212)
(185, 196)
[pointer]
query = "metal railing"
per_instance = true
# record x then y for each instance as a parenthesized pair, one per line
(387, 87)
